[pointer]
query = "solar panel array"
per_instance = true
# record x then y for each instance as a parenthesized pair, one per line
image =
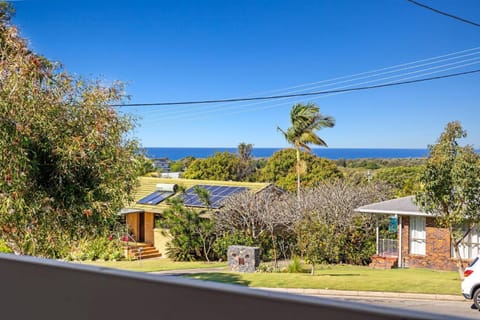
(217, 195)
(155, 197)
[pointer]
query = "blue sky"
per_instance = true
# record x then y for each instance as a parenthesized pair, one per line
(191, 50)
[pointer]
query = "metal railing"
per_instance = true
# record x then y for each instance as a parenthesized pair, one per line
(387, 248)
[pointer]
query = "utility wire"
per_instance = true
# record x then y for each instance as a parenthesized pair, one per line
(202, 115)
(296, 94)
(444, 13)
(336, 87)
(243, 107)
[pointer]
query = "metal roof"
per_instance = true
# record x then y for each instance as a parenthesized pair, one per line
(402, 206)
(147, 185)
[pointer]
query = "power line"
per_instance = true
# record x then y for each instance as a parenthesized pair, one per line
(444, 13)
(296, 94)
(242, 107)
(174, 111)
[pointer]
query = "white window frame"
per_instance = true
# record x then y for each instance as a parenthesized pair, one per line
(418, 235)
(470, 245)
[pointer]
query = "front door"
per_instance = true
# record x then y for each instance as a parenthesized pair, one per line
(141, 227)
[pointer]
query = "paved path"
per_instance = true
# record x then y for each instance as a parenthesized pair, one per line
(446, 305)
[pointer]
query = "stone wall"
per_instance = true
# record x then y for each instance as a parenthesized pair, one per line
(243, 258)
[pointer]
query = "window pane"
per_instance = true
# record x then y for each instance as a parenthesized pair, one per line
(417, 235)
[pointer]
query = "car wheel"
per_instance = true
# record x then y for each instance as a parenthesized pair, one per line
(476, 298)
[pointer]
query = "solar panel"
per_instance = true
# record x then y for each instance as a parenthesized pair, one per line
(217, 194)
(155, 197)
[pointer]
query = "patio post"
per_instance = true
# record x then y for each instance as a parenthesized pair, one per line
(377, 234)
(400, 263)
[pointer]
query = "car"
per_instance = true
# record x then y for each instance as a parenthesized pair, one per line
(471, 282)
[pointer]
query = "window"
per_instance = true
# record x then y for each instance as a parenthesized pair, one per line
(470, 246)
(417, 235)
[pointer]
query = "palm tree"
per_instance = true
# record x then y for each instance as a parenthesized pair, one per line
(306, 119)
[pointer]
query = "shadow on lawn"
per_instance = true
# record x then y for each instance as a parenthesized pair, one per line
(219, 277)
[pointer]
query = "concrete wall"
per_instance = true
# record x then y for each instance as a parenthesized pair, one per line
(160, 241)
(46, 289)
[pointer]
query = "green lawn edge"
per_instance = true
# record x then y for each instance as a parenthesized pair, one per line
(335, 277)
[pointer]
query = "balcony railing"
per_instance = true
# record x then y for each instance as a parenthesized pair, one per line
(387, 248)
(33, 288)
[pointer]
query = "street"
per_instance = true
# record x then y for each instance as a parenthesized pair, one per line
(453, 308)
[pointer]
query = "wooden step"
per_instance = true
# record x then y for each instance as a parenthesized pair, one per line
(143, 250)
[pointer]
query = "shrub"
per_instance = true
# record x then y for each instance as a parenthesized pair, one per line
(98, 248)
(4, 248)
(295, 266)
(221, 244)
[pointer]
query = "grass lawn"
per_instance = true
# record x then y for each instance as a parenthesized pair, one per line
(343, 277)
(150, 265)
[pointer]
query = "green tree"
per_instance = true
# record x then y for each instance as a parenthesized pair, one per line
(222, 166)
(192, 235)
(405, 180)
(305, 119)
(451, 186)
(144, 165)
(246, 166)
(66, 164)
(281, 169)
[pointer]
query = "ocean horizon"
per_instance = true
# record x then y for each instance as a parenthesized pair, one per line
(329, 153)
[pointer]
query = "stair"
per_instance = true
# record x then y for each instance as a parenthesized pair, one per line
(143, 251)
(380, 262)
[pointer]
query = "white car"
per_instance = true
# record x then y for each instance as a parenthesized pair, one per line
(471, 282)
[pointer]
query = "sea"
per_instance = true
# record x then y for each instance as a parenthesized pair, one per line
(329, 153)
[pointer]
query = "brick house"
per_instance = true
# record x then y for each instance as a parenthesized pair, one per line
(418, 241)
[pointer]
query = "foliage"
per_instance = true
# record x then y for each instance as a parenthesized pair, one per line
(177, 166)
(295, 266)
(329, 231)
(377, 163)
(246, 166)
(66, 165)
(144, 165)
(256, 216)
(221, 244)
(192, 235)
(281, 170)
(306, 119)
(103, 248)
(451, 185)
(222, 166)
(4, 248)
(405, 180)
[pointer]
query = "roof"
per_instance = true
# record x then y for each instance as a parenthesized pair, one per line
(147, 185)
(402, 206)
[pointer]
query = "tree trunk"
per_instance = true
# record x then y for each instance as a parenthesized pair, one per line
(456, 249)
(298, 173)
(312, 271)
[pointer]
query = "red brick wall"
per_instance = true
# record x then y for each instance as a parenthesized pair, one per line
(438, 254)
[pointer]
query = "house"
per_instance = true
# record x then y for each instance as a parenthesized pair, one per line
(417, 241)
(141, 215)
